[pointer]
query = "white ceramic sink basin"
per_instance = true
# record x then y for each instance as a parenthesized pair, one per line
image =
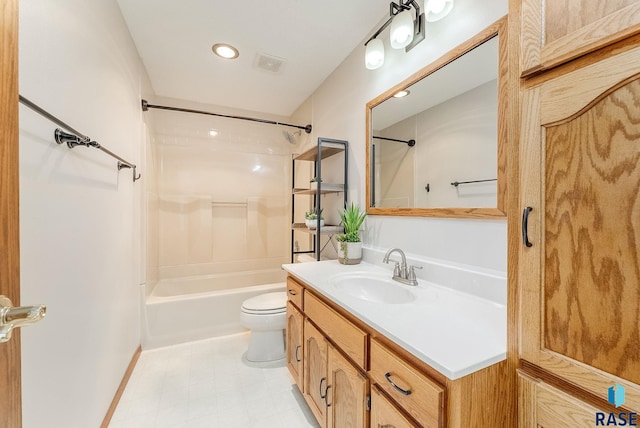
(373, 288)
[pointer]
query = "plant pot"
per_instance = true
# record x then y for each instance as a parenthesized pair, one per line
(349, 253)
(311, 224)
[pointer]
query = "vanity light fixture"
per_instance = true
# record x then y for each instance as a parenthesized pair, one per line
(226, 51)
(374, 55)
(437, 9)
(405, 32)
(401, 94)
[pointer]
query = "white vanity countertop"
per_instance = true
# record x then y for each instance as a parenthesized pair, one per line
(453, 332)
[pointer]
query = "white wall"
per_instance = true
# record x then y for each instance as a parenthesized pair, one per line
(339, 112)
(79, 215)
(223, 201)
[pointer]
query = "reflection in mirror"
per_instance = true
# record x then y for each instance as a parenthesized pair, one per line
(436, 150)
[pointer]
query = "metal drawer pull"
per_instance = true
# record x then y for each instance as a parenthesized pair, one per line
(525, 226)
(386, 426)
(397, 388)
(326, 396)
(297, 356)
(325, 391)
(293, 293)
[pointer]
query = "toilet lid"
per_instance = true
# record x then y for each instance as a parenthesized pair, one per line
(266, 303)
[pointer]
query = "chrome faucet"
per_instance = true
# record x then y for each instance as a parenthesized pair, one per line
(401, 272)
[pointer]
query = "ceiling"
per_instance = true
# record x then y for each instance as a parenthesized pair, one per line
(174, 39)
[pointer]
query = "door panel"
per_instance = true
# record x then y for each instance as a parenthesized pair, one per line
(295, 339)
(10, 391)
(315, 371)
(347, 393)
(554, 32)
(581, 175)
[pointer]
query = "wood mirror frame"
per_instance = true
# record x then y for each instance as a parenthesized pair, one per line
(499, 28)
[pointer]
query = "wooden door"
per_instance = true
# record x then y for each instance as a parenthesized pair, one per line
(543, 406)
(10, 390)
(556, 31)
(580, 279)
(295, 340)
(315, 371)
(346, 394)
(385, 414)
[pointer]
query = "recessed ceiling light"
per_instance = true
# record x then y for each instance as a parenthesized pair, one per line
(213, 133)
(224, 50)
(401, 94)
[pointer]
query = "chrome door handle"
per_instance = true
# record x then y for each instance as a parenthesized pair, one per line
(11, 317)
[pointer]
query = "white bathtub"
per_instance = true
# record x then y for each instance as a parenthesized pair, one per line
(185, 309)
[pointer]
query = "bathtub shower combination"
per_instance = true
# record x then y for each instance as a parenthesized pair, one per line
(218, 211)
(185, 309)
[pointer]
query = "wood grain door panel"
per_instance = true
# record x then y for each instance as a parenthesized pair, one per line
(348, 390)
(315, 371)
(580, 280)
(543, 406)
(295, 340)
(554, 32)
(10, 389)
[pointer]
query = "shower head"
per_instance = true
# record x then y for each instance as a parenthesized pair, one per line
(291, 136)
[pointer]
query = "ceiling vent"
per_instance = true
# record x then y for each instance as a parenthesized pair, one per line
(270, 63)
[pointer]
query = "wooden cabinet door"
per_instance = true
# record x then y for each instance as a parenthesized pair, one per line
(556, 31)
(295, 340)
(385, 414)
(543, 406)
(580, 172)
(347, 393)
(315, 371)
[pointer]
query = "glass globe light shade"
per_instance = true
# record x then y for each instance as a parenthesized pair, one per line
(401, 32)
(374, 54)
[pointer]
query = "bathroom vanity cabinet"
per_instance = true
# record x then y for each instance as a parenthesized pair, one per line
(353, 376)
(554, 32)
(579, 275)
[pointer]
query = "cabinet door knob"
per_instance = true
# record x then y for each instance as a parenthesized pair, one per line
(297, 353)
(525, 226)
(323, 396)
(396, 387)
(326, 396)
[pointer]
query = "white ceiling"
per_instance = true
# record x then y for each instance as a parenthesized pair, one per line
(174, 39)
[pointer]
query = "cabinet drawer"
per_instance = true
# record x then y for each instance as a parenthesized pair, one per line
(294, 292)
(418, 395)
(351, 339)
(385, 414)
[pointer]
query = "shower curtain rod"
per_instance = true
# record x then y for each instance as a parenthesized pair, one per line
(409, 143)
(146, 106)
(77, 138)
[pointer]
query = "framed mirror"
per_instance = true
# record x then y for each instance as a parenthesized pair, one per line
(440, 150)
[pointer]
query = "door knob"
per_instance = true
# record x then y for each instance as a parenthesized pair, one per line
(12, 317)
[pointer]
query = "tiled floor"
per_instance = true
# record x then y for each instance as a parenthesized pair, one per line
(208, 384)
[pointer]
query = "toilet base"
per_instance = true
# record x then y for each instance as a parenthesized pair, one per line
(266, 346)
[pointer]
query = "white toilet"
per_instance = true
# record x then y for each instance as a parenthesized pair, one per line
(266, 316)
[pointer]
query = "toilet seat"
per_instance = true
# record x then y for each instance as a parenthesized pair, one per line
(266, 304)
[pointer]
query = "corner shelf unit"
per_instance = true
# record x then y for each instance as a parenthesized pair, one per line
(325, 148)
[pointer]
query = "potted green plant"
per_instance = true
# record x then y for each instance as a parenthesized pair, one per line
(311, 219)
(350, 244)
(313, 183)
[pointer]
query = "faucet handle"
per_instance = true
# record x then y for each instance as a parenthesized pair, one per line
(396, 270)
(411, 275)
